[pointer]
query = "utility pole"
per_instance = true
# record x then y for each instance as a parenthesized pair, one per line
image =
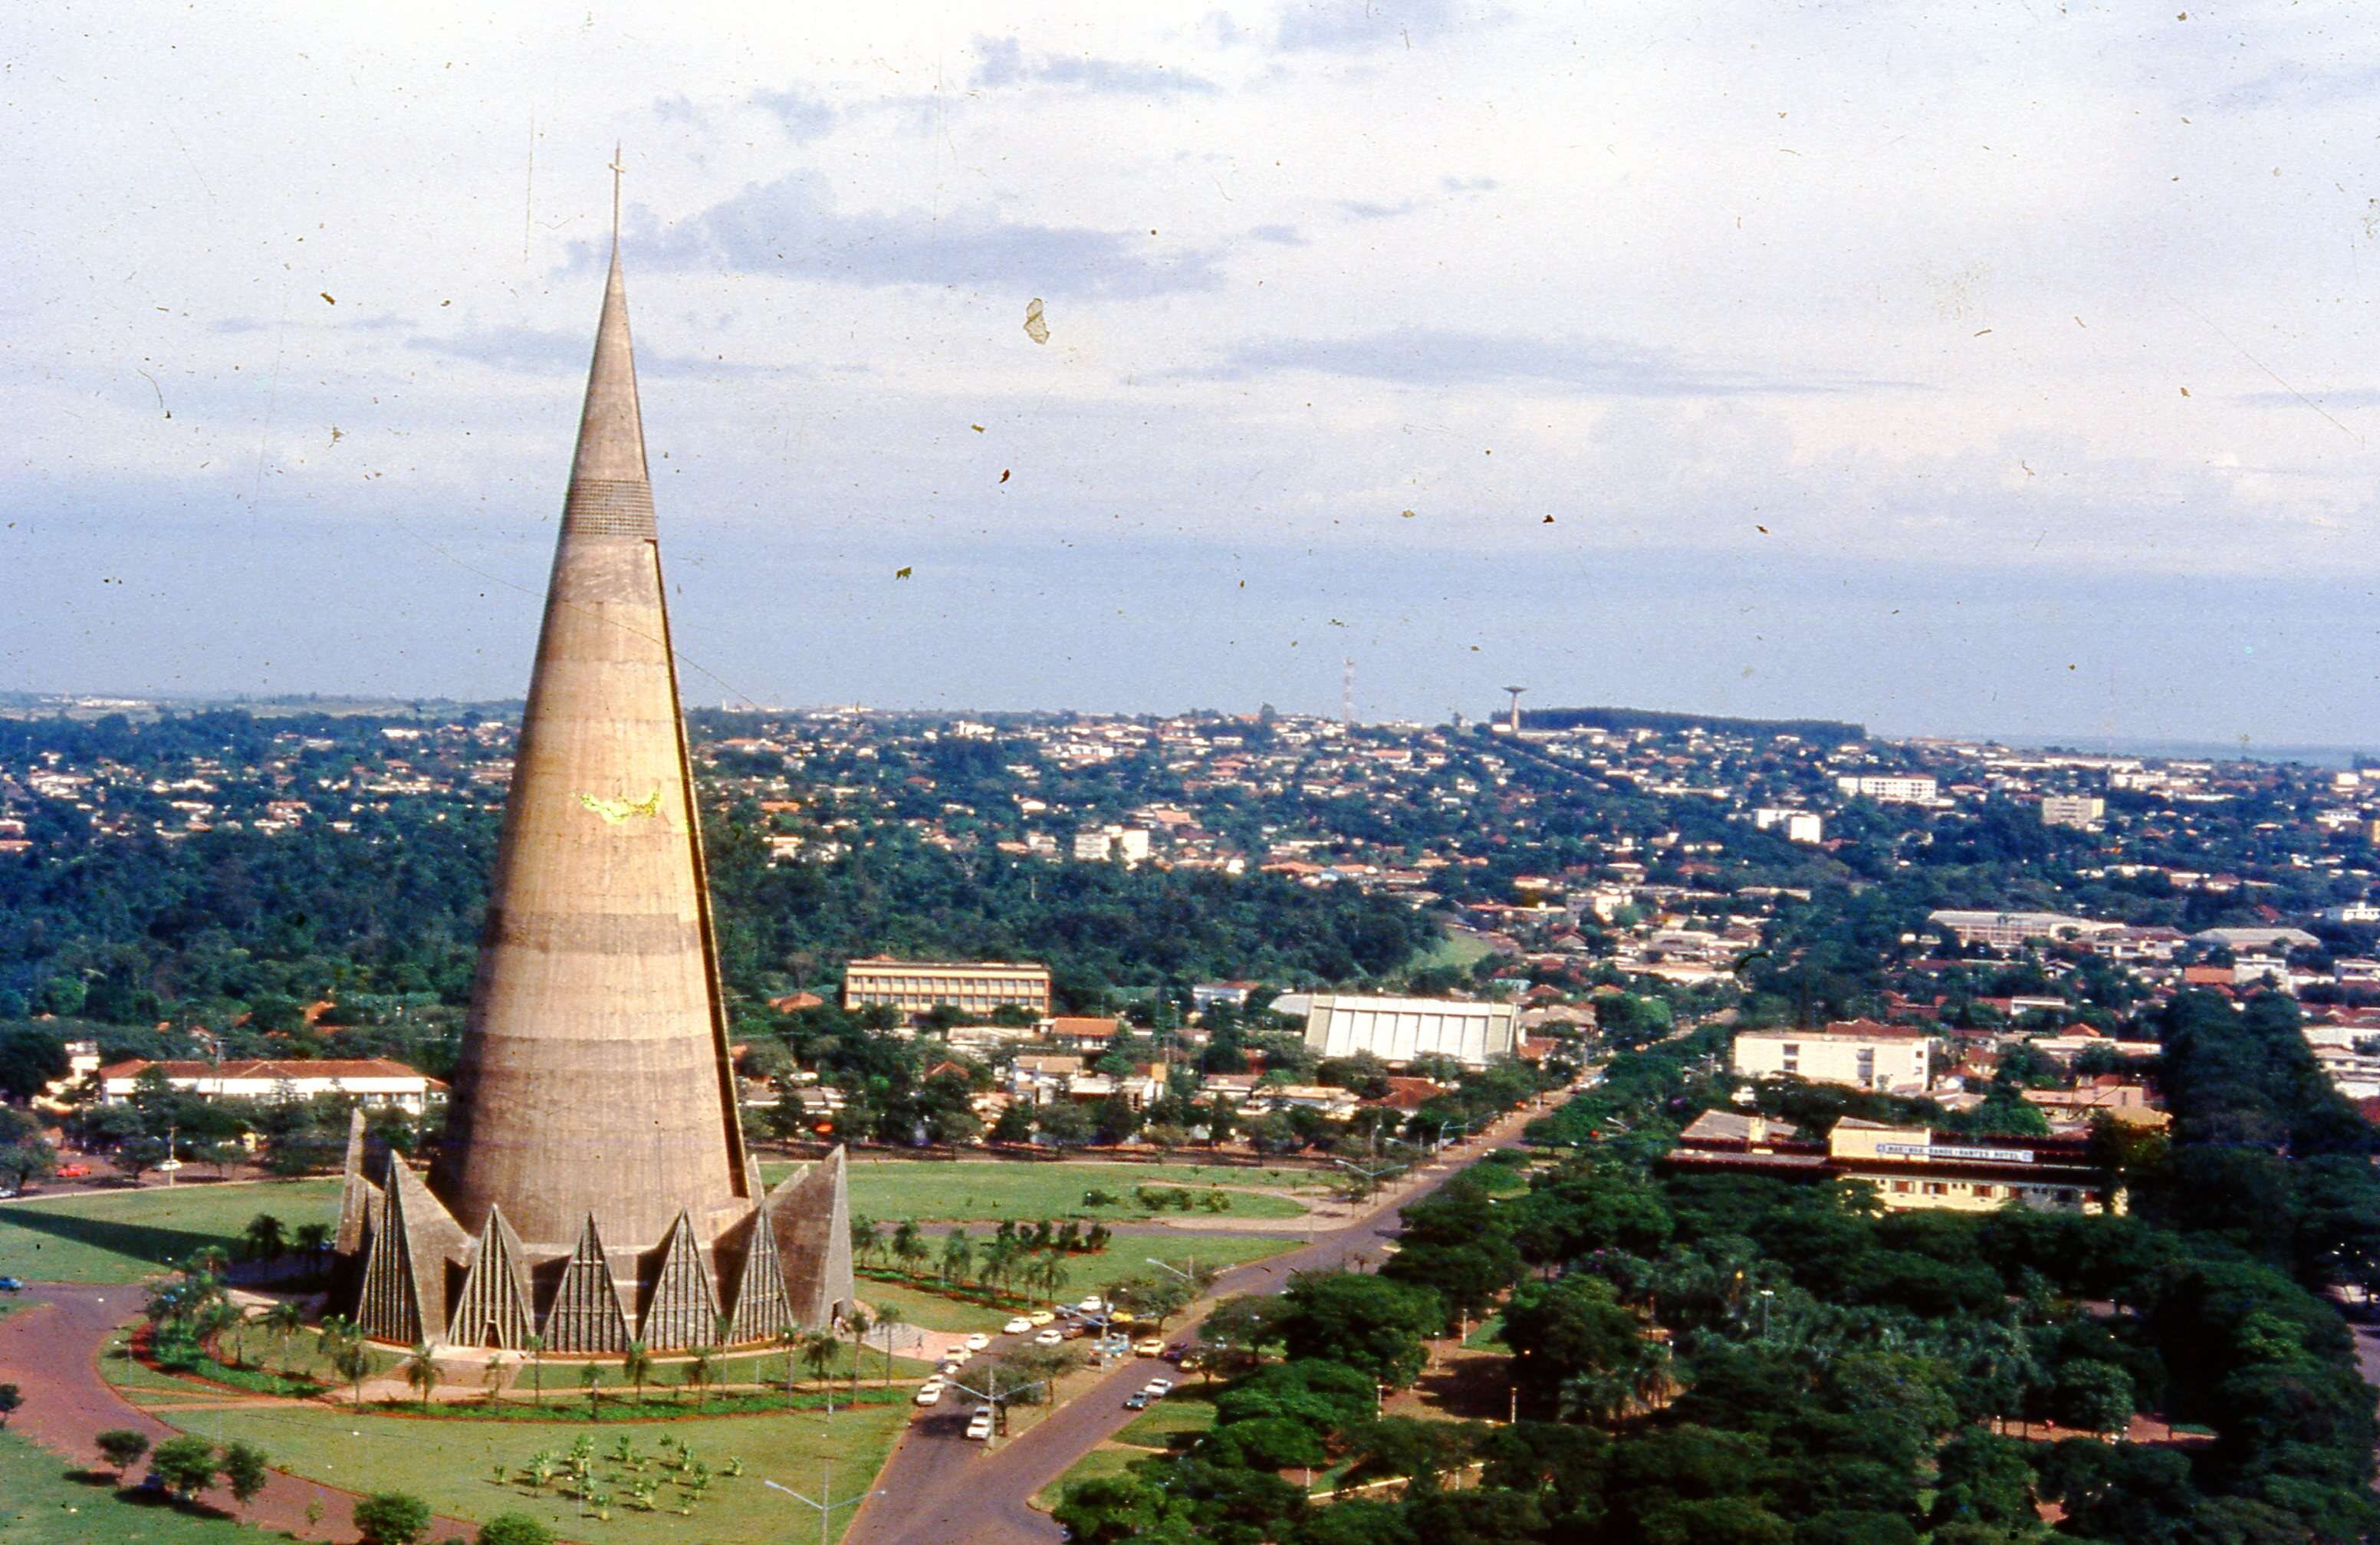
(826, 1507)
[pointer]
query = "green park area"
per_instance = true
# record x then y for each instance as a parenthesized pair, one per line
(117, 1237)
(113, 1236)
(44, 1501)
(968, 1189)
(651, 1492)
(1168, 1425)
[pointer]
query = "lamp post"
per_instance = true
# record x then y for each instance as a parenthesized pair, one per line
(1768, 1296)
(996, 1403)
(823, 1503)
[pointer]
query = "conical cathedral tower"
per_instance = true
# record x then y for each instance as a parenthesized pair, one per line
(593, 1162)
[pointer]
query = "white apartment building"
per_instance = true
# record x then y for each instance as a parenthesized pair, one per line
(1889, 788)
(1857, 1053)
(2077, 810)
(1100, 844)
(1802, 826)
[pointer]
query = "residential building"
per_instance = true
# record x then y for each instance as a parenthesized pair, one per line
(1397, 1030)
(1892, 789)
(370, 1081)
(1100, 844)
(972, 987)
(2077, 810)
(1858, 1054)
(1908, 1168)
(2010, 930)
(1802, 826)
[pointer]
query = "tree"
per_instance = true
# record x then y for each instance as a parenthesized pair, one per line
(11, 1398)
(1369, 1324)
(422, 1371)
(391, 1518)
(350, 1361)
(30, 1060)
(515, 1528)
(958, 1254)
(186, 1465)
(1015, 1124)
(1109, 1510)
(637, 1366)
(2094, 1396)
(264, 1238)
(245, 1471)
(818, 1349)
(1573, 1329)
(535, 1347)
(122, 1448)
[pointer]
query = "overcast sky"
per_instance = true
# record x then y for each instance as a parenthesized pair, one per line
(1997, 368)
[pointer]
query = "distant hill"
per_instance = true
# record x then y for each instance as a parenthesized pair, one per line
(1829, 730)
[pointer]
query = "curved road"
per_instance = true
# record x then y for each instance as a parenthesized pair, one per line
(938, 1488)
(50, 1349)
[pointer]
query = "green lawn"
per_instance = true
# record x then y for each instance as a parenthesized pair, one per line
(968, 1189)
(449, 1465)
(1124, 1257)
(121, 1236)
(117, 1236)
(1183, 1411)
(43, 1502)
(1095, 1466)
(1461, 951)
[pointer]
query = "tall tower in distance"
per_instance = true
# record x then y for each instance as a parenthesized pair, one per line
(1514, 723)
(592, 1184)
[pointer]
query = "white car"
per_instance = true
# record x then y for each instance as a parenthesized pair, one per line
(1016, 1326)
(930, 1392)
(1157, 1388)
(1041, 1317)
(1049, 1337)
(958, 1358)
(1092, 1304)
(976, 1342)
(979, 1425)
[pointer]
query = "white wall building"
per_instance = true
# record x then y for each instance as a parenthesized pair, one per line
(1894, 788)
(1858, 1054)
(371, 1081)
(1397, 1030)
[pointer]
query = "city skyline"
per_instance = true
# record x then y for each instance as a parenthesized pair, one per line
(1980, 375)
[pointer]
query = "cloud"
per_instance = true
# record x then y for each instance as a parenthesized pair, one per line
(1004, 65)
(1353, 26)
(1596, 367)
(787, 227)
(804, 115)
(1285, 236)
(1362, 209)
(1469, 185)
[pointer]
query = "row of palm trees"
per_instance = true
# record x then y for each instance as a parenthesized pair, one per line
(268, 1239)
(1003, 1263)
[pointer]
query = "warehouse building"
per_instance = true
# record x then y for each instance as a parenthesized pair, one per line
(1397, 1030)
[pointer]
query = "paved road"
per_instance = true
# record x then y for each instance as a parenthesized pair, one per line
(50, 1349)
(939, 1488)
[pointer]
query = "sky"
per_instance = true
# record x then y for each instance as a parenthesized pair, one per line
(1992, 369)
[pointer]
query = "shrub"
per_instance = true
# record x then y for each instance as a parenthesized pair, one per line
(391, 1518)
(515, 1528)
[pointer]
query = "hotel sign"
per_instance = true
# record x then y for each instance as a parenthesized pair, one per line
(1930, 1151)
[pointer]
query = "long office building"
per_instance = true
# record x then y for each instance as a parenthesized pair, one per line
(1397, 1030)
(970, 986)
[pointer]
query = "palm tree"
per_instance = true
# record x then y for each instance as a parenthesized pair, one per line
(1049, 1273)
(315, 1240)
(351, 1362)
(264, 1238)
(792, 1339)
(958, 1254)
(208, 1261)
(855, 1326)
(635, 1366)
(218, 1317)
(997, 1263)
(284, 1319)
(420, 1371)
(907, 1247)
(818, 1349)
(866, 1240)
(592, 1377)
(705, 1367)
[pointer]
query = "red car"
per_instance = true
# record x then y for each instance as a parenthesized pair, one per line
(73, 1172)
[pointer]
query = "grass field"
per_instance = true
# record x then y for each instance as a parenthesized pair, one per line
(1126, 1257)
(115, 1236)
(118, 1236)
(43, 1502)
(968, 1189)
(449, 1465)
(1148, 1434)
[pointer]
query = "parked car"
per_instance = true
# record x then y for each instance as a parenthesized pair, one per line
(1092, 1304)
(979, 1425)
(73, 1172)
(1041, 1316)
(1149, 1346)
(1137, 1401)
(1158, 1388)
(929, 1392)
(976, 1342)
(1051, 1337)
(1016, 1326)
(12, 1285)
(958, 1358)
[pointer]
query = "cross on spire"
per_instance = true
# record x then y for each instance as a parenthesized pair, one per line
(618, 171)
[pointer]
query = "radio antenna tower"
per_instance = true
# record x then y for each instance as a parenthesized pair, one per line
(1347, 692)
(1514, 722)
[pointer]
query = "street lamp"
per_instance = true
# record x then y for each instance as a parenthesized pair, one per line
(996, 1403)
(825, 1507)
(1768, 1296)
